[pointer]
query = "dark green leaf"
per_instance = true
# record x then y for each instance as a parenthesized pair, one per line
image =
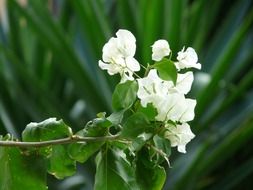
(124, 95)
(163, 145)
(114, 171)
(140, 141)
(116, 117)
(20, 171)
(166, 70)
(149, 176)
(82, 151)
(101, 123)
(150, 111)
(135, 125)
(59, 163)
(46, 130)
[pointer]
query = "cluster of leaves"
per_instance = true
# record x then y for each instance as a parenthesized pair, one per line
(123, 162)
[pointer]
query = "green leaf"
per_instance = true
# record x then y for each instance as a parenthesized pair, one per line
(101, 123)
(124, 95)
(81, 151)
(59, 163)
(149, 175)
(163, 145)
(135, 125)
(46, 130)
(114, 171)
(139, 142)
(116, 117)
(166, 70)
(150, 111)
(20, 171)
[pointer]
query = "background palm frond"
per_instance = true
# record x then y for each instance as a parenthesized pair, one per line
(48, 68)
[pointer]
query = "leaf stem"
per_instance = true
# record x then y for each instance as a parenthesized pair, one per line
(68, 140)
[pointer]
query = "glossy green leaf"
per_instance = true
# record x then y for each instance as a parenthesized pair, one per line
(46, 130)
(139, 142)
(116, 117)
(82, 151)
(163, 145)
(149, 175)
(60, 164)
(135, 125)
(150, 111)
(21, 171)
(166, 70)
(114, 171)
(124, 95)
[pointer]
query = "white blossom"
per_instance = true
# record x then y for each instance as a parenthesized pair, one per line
(179, 135)
(169, 100)
(160, 49)
(152, 88)
(184, 82)
(187, 59)
(118, 55)
(175, 107)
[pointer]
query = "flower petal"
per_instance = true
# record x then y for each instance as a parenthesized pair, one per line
(184, 82)
(188, 113)
(179, 136)
(160, 49)
(126, 42)
(132, 64)
(187, 59)
(112, 69)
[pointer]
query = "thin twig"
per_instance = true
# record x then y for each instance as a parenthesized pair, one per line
(67, 140)
(163, 154)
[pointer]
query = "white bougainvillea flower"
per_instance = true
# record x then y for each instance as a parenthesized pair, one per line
(170, 107)
(188, 113)
(152, 88)
(169, 100)
(187, 59)
(118, 55)
(184, 82)
(175, 107)
(160, 49)
(126, 43)
(179, 136)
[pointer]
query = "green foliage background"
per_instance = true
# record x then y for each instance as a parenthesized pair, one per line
(48, 68)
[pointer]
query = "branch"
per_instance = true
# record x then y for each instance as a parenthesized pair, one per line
(67, 140)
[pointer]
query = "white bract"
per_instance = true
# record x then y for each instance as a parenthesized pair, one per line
(160, 49)
(169, 100)
(179, 136)
(184, 82)
(187, 59)
(152, 88)
(175, 107)
(118, 55)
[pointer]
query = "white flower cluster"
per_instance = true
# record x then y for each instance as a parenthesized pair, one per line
(118, 53)
(168, 98)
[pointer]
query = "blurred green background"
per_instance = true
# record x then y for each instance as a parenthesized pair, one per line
(49, 51)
